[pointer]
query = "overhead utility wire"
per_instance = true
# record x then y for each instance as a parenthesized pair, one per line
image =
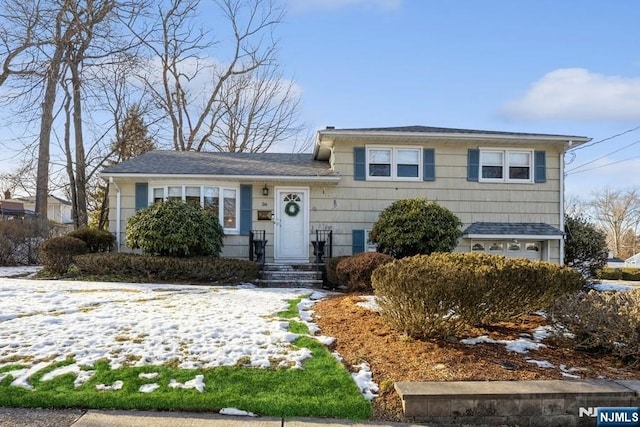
(591, 144)
(602, 157)
(604, 166)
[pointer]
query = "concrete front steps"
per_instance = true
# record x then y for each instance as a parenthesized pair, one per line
(523, 403)
(290, 276)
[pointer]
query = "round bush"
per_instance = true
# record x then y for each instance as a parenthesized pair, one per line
(331, 276)
(96, 240)
(356, 270)
(439, 295)
(175, 228)
(57, 254)
(415, 226)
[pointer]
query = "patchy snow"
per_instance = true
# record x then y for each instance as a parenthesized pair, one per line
(82, 376)
(364, 381)
(148, 388)
(520, 345)
(149, 376)
(542, 332)
(236, 412)
(541, 363)
(197, 383)
(201, 327)
(117, 385)
(130, 324)
(615, 285)
(369, 302)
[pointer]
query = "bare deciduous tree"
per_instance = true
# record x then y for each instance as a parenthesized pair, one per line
(234, 103)
(618, 213)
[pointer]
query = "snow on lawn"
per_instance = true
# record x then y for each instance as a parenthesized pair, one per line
(19, 270)
(143, 324)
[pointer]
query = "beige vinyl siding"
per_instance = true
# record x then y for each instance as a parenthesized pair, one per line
(235, 246)
(356, 204)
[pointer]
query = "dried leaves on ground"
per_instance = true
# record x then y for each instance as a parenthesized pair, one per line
(362, 335)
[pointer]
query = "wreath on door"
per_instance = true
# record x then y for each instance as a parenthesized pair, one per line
(292, 208)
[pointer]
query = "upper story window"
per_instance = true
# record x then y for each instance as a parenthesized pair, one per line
(222, 201)
(394, 163)
(506, 166)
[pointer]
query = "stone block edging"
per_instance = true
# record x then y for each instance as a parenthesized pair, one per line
(525, 403)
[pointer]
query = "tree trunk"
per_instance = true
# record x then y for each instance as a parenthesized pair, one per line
(46, 124)
(81, 181)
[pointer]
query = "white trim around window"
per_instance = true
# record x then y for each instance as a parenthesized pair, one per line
(500, 165)
(223, 199)
(369, 246)
(393, 163)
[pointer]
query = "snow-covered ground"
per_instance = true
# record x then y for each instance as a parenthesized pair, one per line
(148, 324)
(19, 270)
(616, 285)
(143, 324)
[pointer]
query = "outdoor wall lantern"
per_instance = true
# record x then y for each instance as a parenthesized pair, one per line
(265, 190)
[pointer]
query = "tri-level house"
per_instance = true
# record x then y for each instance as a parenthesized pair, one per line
(506, 187)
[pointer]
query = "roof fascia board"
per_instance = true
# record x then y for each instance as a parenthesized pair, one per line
(225, 177)
(513, 236)
(367, 134)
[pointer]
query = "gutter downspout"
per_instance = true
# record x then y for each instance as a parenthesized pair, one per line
(561, 261)
(118, 213)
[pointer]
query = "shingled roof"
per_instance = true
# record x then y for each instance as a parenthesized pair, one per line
(222, 164)
(511, 229)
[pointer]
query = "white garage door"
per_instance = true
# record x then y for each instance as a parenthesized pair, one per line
(513, 249)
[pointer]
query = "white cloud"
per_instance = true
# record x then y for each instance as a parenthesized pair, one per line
(578, 94)
(307, 5)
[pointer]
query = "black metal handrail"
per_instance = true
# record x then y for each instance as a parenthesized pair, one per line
(257, 246)
(322, 246)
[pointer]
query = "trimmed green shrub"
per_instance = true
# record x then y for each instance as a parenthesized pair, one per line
(625, 273)
(153, 268)
(585, 247)
(439, 295)
(331, 277)
(96, 240)
(175, 228)
(356, 270)
(415, 226)
(601, 322)
(57, 254)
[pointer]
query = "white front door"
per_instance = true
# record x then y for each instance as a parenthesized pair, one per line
(292, 224)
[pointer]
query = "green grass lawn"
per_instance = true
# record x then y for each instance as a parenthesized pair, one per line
(323, 388)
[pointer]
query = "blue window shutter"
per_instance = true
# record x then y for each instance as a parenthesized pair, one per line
(473, 165)
(142, 195)
(428, 164)
(246, 208)
(540, 166)
(359, 164)
(357, 241)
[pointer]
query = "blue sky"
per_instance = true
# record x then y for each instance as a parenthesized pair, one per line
(536, 66)
(543, 66)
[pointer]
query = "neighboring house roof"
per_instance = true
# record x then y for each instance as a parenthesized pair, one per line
(325, 137)
(634, 259)
(51, 198)
(271, 165)
(497, 230)
(615, 259)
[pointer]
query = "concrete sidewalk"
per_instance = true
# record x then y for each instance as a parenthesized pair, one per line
(21, 417)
